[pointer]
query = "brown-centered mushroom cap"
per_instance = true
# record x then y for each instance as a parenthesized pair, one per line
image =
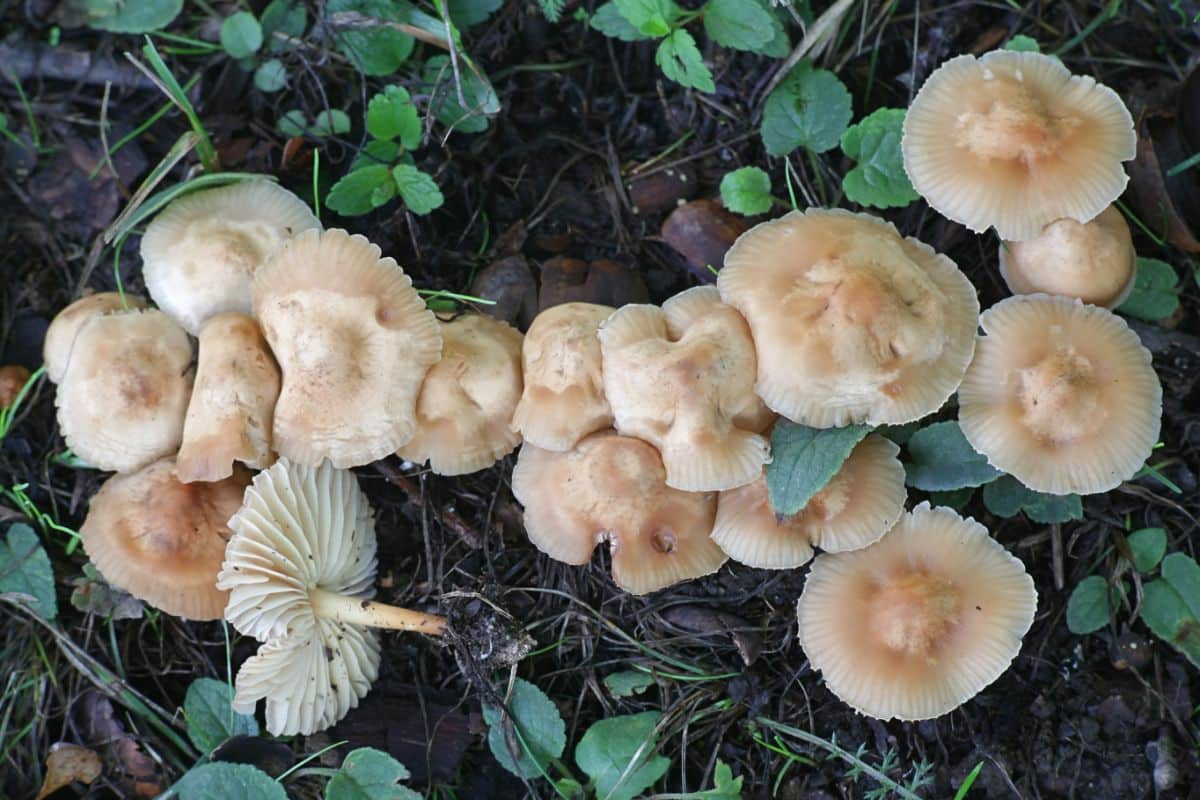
(1015, 141)
(919, 622)
(613, 488)
(60, 336)
(852, 323)
(1061, 395)
(682, 378)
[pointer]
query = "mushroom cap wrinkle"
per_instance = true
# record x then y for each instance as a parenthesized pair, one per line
(60, 336)
(852, 323)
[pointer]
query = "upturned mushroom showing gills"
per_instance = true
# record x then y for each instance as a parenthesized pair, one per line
(1061, 395)
(613, 488)
(300, 572)
(852, 323)
(918, 623)
(353, 340)
(1015, 141)
(60, 336)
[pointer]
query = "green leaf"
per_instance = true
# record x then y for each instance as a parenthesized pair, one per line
(680, 60)
(132, 16)
(286, 17)
(942, 460)
(1148, 547)
(747, 191)
(1184, 574)
(1006, 497)
(609, 21)
(481, 98)
(1049, 508)
(570, 788)
(955, 498)
(465, 13)
(778, 46)
(417, 188)
(725, 786)
(1089, 606)
(375, 49)
(241, 35)
(1155, 292)
(225, 781)
(376, 152)
(293, 123)
(628, 682)
(543, 734)
(739, 24)
(25, 569)
(650, 17)
(879, 178)
(810, 108)
(391, 114)
(331, 122)
(270, 76)
(610, 746)
(1023, 44)
(1168, 617)
(210, 716)
(369, 774)
(804, 459)
(356, 192)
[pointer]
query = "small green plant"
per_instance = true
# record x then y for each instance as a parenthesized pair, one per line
(252, 40)
(331, 122)
(1155, 292)
(804, 460)
(25, 569)
(123, 16)
(747, 191)
(810, 108)
(878, 179)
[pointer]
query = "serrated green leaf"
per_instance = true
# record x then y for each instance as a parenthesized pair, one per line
(1148, 546)
(609, 21)
(1155, 292)
(141, 16)
(375, 49)
(208, 709)
(804, 460)
(355, 193)
(466, 13)
(1023, 44)
(740, 24)
(376, 152)
(1168, 617)
(286, 17)
(271, 76)
(1049, 508)
(25, 569)
(651, 17)
(609, 747)
(725, 786)
(810, 108)
(543, 734)
(879, 178)
(1182, 572)
(293, 123)
(391, 115)
(241, 35)
(481, 98)
(225, 781)
(1090, 606)
(680, 60)
(747, 191)
(943, 460)
(779, 45)
(628, 682)
(1007, 497)
(417, 189)
(331, 122)
(369, 774)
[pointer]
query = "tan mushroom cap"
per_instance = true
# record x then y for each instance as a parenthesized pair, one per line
(201, 252)
(353, 340)
(1093, 261)
(852, 323)
(563, 399)
(233, 401)
(123, 399)
(919, 622)
(857, 507)
(613, 488)
(468, 398)
(1061, 395)
(1015, 141)
(162, 540)
(60, 336)
(682, 378)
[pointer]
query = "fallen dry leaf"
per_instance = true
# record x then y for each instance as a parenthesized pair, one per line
(66, 764)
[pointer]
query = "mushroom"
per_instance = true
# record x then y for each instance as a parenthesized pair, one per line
(60, 336)
(201, 252)
(353, 340)
(852, 323)
(563, 399)
(468, 397)
(682, 378)
(229, 416)
(612, 488)
(918, 623)
(857, 507)
(1015, 141)
(300, 569)
(124, 395)
(162, 540)
(1093, 261)
(1061, 395)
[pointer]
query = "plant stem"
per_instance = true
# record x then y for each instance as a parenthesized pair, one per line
(355, 610)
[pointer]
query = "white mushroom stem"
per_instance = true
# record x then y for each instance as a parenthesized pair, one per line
(342, 608)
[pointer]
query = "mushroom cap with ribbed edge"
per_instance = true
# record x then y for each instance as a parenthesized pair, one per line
(918, 623)
(857, 507)
(233, 400)
(1093, 261)
(1060, 395)
(468, 398)
(682, 378)
(201, 252)
(563, 398)
(162, 540)
(612, 488)
(124, 395)
(1015, 141)
(852, 322)
(60, 336)
(353, 340)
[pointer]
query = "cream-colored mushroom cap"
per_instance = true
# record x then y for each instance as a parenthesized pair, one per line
(201, 252)
(613, 489)
(353, 340)
(468, 397)
(918, 623)
(1061, 395)
(60, 336)
(682, 378)
(852, 323)
(233, 401)
(1093, 261)
(857, 507)
(162, 540)
(1015, 141)
(563, 399)
(124, 395)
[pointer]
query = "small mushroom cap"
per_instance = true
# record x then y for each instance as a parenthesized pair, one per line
(1015, 141)
(852, 323)
(200, 254)
(613, 488)
(563, 399)
(682, 378)
(919, 622)
(353, 340)
(1093, 261)
(1061, 395)
(162, 540)
(123, 399)
(60, 336)
(233, 401)
(468, 397)
(857, 507)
